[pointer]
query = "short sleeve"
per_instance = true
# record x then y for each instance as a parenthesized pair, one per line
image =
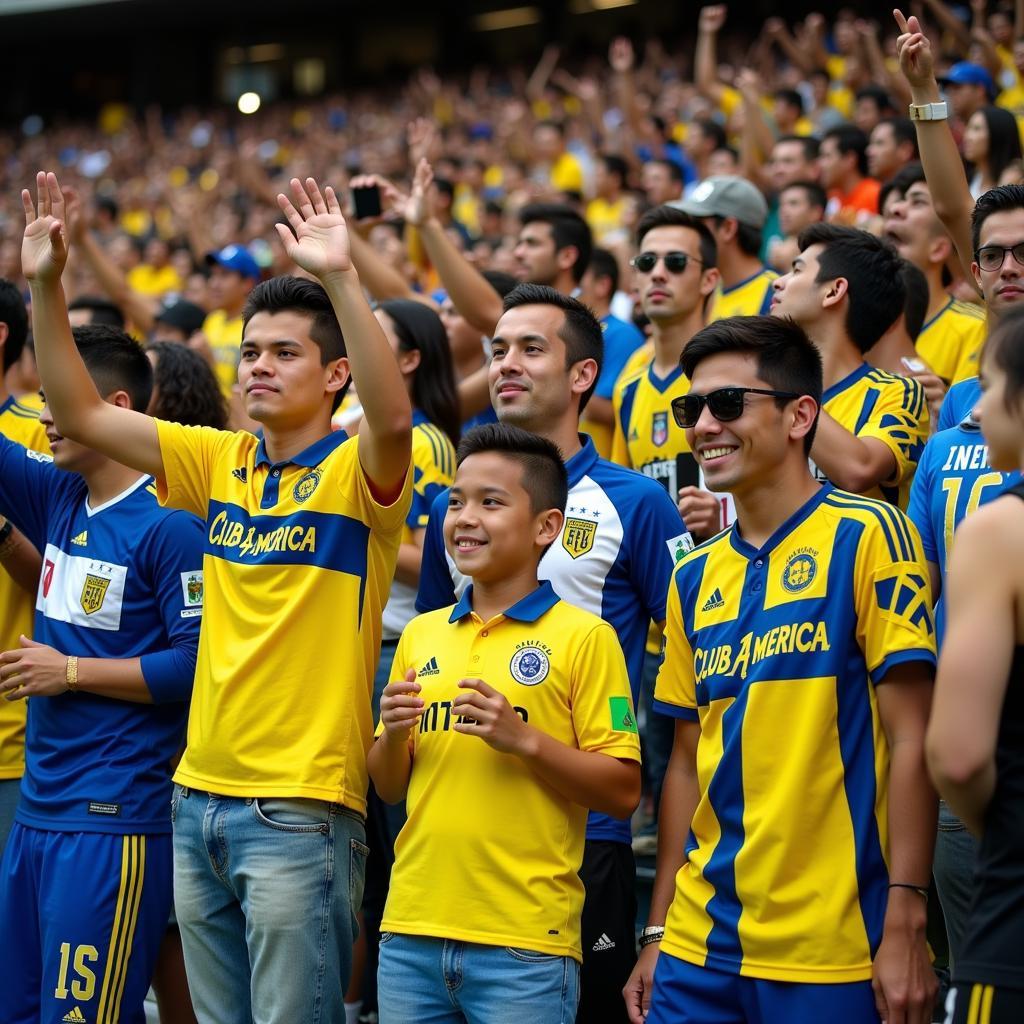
(189, 456)
(433, 459)
(354, 485)
(28, 481)
(899, 420)
(675, 692)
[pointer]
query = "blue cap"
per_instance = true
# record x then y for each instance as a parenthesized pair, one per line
(967, 73)
(237, 258)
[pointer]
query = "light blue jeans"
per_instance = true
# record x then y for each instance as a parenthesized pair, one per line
(424, 980)
(266, 892)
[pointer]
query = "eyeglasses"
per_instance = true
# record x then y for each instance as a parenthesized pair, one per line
(725, 404)
(992, 257)
(675, 262)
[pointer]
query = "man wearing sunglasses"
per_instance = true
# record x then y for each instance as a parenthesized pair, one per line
(846, 290)
(793, 867)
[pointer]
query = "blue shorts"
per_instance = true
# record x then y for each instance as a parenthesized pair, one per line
(82, 915)
(687, 994)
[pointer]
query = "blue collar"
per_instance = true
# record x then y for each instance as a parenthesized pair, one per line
(527, 609)
(748, 551)
(419, 417)
(662, 384)
(309, 457)
(582, 462)
(6, 405)
(848, 381)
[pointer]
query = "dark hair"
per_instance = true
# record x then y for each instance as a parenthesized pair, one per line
(444, 187)
(115, 362)
(1003, 139)
(748, 238)
(1005, 346)
(567, 228)
(791, 98)
(712, 129)
(103, 310)
(666, 216)
(581, 331)
(875, 295)
(902, 131)
(501, 282)
(543, 471)
(675, 172)
(604, 264)
(15, 316)
(995, 200)
(808, 143)
(909, 174)
(614, 164)
(187, 391)
(548, 123)
(850, 139)
(812, 190)
(787, 360)
(915, 305)
(881, 99)
(420, 329)
(299, 295)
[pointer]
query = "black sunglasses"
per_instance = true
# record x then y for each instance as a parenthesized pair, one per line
(992, 257)
(675, 262)
(725, 404)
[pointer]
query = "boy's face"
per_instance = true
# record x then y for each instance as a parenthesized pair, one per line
(490, 528)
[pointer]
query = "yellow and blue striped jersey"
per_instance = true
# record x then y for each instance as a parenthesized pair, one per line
(776, 652)
(751, 297)
(562, 670)
(298, 561)
(890, 408)
(950, 343)
(18, 422)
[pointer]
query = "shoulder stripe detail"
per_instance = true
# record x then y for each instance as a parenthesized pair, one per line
(892, 515)
(424, 430)
(901, 546)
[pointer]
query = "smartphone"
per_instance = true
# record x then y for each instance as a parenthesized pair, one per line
(366, 201)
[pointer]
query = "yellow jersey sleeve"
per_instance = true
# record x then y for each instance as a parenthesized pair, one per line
(676, 687)
(899, 419)
(433, 459)
(354, 486)
(189, 456)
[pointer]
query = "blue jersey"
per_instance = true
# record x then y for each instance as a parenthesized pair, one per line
(960, 399)
(621, 539)
(953, 479)
(123, 580)
(621, 340)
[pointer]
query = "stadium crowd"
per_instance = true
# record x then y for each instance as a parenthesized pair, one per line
(422, 455)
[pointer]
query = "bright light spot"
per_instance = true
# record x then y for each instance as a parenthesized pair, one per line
(249, 102)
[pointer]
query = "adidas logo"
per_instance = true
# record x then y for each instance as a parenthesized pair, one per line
(603, 943)
(240, 474)
(81, 539)
(430, 669)
(714, 601)
(75, 1015)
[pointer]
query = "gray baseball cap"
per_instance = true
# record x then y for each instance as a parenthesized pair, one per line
(727, 195)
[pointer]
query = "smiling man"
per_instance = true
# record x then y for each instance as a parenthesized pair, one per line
(792, 878)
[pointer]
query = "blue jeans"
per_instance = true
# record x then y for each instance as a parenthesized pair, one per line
(266, 892)
(438, 981)
(956, 853)
(10, 789)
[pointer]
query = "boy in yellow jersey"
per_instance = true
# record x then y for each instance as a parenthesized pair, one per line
(797, 820)
(233, 274)
(516, 705)
(846, 290)
(302, 534)
(735, 212)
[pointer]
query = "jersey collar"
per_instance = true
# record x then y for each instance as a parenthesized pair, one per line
(848, 381)
(419, 417)
(527, 609)
(308, 457)
(749, 551)
(582, 462)
(4, 406)
(662, 384)
(745, 281)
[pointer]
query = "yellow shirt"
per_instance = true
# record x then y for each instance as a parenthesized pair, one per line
(567, 174)
(752, 297)
(21, 424)
(638, 361)
(606, 219)
(489, 853)
(225, 338)
(150, 281)
(951, 341)
(299, 558)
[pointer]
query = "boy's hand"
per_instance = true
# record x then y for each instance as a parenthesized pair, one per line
(400, 707)
(320, 242)
(490, 716)
(44, 248)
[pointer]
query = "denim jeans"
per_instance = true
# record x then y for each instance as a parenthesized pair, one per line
(266, 891)
(956, 852)
(424, 980)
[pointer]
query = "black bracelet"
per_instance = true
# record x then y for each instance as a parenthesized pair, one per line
(6, 530)
(919, 889)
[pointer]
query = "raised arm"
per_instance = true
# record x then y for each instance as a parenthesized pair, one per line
(79, 410)
(705, 70)
(950, 23)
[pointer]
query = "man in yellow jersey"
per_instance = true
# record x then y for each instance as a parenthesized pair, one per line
(233, 274)
(798, 821)
(735, 212)
(20, 424)
(303, 528)
(846, 291)
(488, 916)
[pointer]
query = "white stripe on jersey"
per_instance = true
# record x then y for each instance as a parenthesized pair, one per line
(82, 591)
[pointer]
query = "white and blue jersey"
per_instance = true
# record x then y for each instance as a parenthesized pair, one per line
(619, 545)
(960, 399)
(123, 580)
(953, 479)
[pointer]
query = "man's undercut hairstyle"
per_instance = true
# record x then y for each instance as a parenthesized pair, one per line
(1005, 347)
(102, 311)
(580, 331)
(812, 191)
(15, 316)
(850, 139)
(787, 360)
(915, 305)
(668, 216)
(875, 293)
(543, 472)
(115, 362)
(808, 143)
(567, 228)
(996, 200)
(604, 264)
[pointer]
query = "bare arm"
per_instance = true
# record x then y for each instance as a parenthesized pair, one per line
(389, 761)
(705, 69)
(20, 559)
(538, 81)
(851, 463)
(950, 23)
(35, 670)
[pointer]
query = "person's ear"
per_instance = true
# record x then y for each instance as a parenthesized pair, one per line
(337, 376)
(835, 292)
(549, 526)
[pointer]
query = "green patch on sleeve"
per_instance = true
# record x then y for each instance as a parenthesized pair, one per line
(622, 715)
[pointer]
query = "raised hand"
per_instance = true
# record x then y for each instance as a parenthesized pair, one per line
(44, 248)
(712, 18)
(914, 51)
(75, 218)
(320, 244)
(418, 207)
(420, 138)
(621, 55)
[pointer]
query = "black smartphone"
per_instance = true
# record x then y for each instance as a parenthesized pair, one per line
(366, 201)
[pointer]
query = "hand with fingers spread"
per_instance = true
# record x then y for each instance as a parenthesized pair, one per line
(914, 52)
(44, 248)
(401, 707)
(486, 713)
(319, 244)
